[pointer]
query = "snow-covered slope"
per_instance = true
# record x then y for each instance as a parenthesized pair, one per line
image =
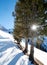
(6, 35)
(3, 28)
(10, 54)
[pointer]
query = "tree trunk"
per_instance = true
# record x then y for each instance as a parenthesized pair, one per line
(26, 47)
(19, 45)
(31, 56)
(18, 41)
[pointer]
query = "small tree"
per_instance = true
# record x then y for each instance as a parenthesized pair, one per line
(22, 20)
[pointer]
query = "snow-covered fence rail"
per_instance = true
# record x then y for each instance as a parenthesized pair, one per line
(40, 56)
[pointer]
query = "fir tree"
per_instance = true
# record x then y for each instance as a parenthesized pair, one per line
(27, 13)
(23, 20)
(39, 10)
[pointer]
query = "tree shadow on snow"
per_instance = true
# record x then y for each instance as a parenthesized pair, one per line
(16, 58)
(5, 45)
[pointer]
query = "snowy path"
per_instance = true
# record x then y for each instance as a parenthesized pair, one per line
(11, 55)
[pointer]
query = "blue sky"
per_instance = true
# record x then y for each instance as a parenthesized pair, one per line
(6, 9)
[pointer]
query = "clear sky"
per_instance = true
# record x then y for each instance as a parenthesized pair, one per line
(6, 9)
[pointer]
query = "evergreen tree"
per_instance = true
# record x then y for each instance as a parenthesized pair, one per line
(23, 20)
(38, 9)
(27, 13)
(44, 30)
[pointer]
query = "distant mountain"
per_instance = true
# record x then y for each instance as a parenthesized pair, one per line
(3, 28)
(6, 30)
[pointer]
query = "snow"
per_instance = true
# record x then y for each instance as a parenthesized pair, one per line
(4, 40)
(6, 35)
(40, 55)
(10, 54)
(23, 45)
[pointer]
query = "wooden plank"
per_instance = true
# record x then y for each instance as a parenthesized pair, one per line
(38, 62)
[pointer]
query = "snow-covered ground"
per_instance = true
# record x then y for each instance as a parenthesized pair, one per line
(38, 54)
(10, 54)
